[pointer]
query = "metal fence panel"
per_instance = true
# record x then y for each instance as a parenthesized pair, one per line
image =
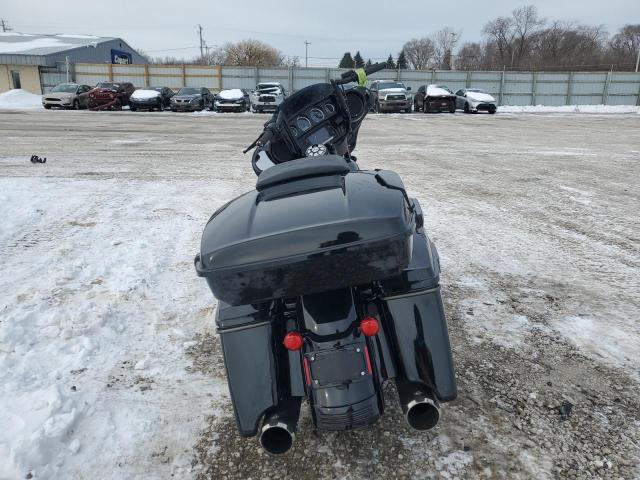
(513, 88)
(552, 100)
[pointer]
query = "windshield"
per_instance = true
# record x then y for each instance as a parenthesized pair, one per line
(157, 89)
(384, 85)
(443, 87)
(65, 88)
(189, 91)
(112, 86)
(477, 90)
(267, 86)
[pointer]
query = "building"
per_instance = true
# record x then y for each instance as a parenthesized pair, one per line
(38, 62)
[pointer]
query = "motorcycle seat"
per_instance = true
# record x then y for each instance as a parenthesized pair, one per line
(302, 168)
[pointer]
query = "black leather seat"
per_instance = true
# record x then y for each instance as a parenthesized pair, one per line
(302, 168)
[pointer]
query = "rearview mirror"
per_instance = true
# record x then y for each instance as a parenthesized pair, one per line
(408, 89)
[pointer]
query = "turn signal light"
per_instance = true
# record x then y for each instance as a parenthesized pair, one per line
(293, 341)
(369, 326)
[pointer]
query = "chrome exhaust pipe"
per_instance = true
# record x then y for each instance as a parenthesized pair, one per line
(279, 427)
(422, 414)
(420, 408)
(277, 439)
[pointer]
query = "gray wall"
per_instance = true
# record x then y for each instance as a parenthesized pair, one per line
(509, 88)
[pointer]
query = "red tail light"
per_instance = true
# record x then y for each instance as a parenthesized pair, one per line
(369, 326)
(293, 341)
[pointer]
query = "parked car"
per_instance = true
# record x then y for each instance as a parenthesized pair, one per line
(267, 96)
(390, 96)
(150, 98)
(110, 95)
(474, 100)
(434, 98)
(231, 101)
(67, 95)
(192, 99)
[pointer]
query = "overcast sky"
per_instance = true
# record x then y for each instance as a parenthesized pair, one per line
(375, 28)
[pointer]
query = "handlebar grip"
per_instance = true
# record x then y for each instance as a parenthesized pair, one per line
(376, 67)
(350, 76)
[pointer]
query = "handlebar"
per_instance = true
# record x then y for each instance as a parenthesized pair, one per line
(352, 75)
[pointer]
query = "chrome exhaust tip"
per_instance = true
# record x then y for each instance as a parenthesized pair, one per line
(277, 439)
(422, 413)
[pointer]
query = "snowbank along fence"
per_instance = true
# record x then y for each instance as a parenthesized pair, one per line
(509, 88)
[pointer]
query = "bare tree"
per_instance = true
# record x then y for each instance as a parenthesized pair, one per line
(564, 44)
(445, 42)
(625, 45)
(419, 52)
(470, 57)
(251, 52)
(216, 56)
(513, 35)
(526, 24)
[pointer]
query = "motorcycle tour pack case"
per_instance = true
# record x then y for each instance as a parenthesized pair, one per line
(311, 225)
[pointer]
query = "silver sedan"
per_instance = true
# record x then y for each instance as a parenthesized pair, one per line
(475, 100)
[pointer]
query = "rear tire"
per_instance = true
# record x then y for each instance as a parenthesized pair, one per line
(48, 107)
(493, 110)
(452, 107)
(132, 108)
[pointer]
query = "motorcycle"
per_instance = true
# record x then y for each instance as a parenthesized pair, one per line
(327, 282)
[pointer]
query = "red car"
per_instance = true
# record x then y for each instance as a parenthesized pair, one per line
(107, 95)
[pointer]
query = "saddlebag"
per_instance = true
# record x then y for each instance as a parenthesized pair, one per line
(307, 230)
(247, 345)
(415, 316)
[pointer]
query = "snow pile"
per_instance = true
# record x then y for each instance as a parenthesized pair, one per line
(94, 321)
(569, 109)
(480, 97)
(144, 94)
(19, 99)
(436, 91)
(233, 94)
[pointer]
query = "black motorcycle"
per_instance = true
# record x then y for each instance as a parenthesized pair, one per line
(327, 282)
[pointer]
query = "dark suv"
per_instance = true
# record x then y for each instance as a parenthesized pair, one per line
(108, 95)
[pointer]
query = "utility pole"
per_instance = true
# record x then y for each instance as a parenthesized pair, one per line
(306, 54)
(201, 43)
(6, 28)
(638, 60)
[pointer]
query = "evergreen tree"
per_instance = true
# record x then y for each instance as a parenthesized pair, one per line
(347, 61)
(368, 64)
(390, 63)
(402, 61)
(358, 60)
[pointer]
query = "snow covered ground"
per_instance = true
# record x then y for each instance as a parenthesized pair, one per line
(569, 109)
(110, 367)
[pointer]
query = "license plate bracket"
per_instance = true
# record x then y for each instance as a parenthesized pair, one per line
(337, 366)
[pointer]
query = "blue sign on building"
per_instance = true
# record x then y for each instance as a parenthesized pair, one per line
(120, 57)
